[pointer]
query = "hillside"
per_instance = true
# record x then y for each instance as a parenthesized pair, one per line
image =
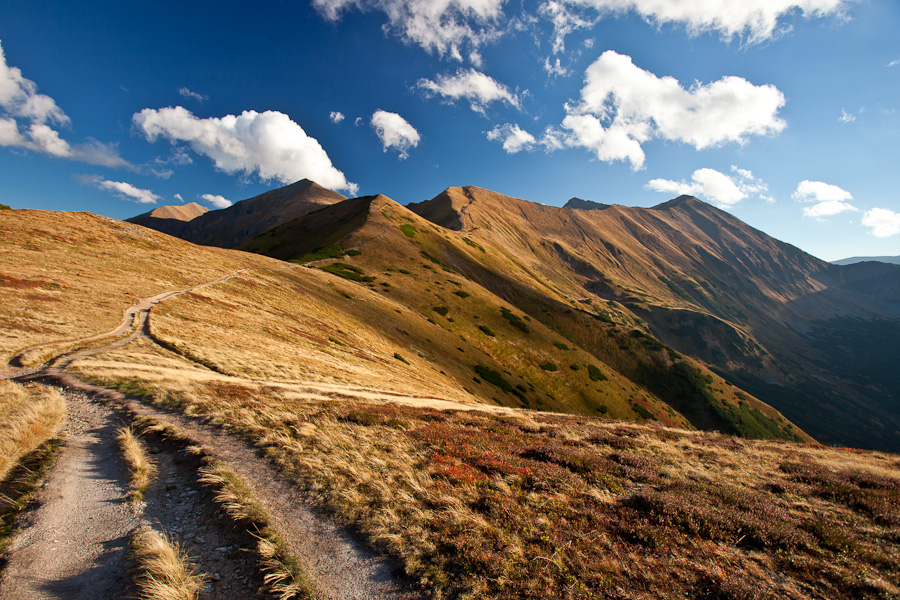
(228, 227)
(809, 338)
(446, 277)
(369, 388)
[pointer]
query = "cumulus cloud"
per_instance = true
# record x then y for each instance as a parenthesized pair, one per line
(623, 106)
(446, 27)
(216, 201)
(884, 222)
(715, 186)
(336, 116)
(20, 101)
(122, 189)
(753, 20)
(395, 132)
(269, 144)
(471, 85)
(513, 138)
(826, 199)
(186, 93)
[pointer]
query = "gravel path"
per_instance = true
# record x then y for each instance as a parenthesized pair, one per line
(340, 564)
(73, 544)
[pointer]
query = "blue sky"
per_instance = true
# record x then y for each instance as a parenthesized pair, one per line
(783, 112)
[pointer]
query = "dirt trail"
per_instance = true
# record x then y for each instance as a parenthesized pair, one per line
(341, 566)
(73, 545)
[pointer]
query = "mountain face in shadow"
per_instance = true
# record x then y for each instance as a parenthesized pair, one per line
(229, 227)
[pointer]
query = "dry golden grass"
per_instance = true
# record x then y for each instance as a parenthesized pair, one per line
(524, 504)
(66, 276)
(29, 415)
(140, 466)
(284, 574)
(164, 571)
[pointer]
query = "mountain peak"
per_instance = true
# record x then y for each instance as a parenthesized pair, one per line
(579, 204)
(185, 212)
(681, 201)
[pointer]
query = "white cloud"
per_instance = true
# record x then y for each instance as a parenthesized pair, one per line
(269, 144)
(216, 201)
(19, 99)
(884, 222)
(714, 186)
(442, 26)
(564, 22)
(336, 116)
(623, 106)
(827, 200)
(468, 84)
(123, 190)
(555, 69)
(514, 138)
(753, 20)
(178, 197)
(185, 92)
(893, 63)
(394, 132)
(846, 117)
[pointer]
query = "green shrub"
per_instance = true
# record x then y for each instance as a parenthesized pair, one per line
(400, 358)
(514, 320)
(408, 230)
(333, 251)
(347, 272)
(441, 310)
(487, 330)
(574, 367)
(473, 244)
(549, 366)
(561, 346)
(462, 294)
(431, 258)
(354, 252)
(495, 378)
(4, 207)
(645, 414)
(596, 374)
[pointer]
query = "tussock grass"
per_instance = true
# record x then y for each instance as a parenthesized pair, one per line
(511, 505)
(282, 571)
(141, 467)
(29, 416)
(163, 569)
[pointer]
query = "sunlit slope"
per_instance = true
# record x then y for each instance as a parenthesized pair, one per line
(65, 275)
(464, 288)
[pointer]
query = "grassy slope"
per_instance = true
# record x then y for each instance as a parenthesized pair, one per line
(500, 503)
(507, 504)
(71, 275)
(465, 286)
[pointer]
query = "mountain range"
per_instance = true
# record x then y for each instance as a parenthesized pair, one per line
(702, 318)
